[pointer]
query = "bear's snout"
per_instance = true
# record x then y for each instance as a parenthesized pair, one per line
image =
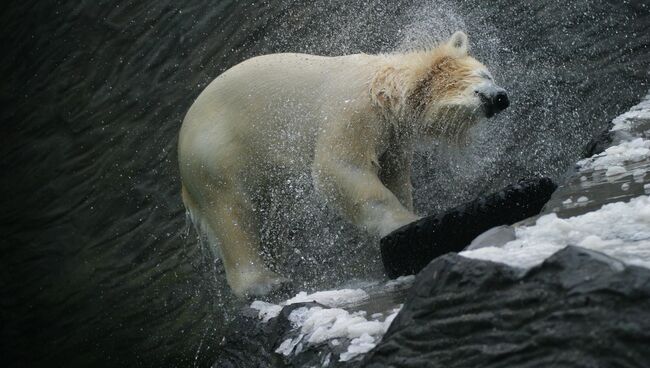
(494, 101)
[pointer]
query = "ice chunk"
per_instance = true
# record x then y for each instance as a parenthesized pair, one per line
(287, 346)
(615, 170)
(330, 298)
(266, 310)
(360, 345)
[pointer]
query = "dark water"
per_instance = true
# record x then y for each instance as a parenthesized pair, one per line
(99, 268)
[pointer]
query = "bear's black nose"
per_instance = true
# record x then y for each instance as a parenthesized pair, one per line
(501, 101)
(494, 102)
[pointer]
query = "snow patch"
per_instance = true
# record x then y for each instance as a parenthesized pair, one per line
(318, 325)
(620, 230)
(638, 112)
(330, 298)
(614, 157)
(330, 323)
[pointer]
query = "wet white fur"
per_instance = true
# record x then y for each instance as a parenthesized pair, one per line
(333, 116)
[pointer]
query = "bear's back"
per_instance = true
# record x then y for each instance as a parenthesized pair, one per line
(271, 107)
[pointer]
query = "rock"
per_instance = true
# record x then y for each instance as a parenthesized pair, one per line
(248, 342)
(251, 343)
(410, 248)
(600, 142)
(495, 237)
(579, 308)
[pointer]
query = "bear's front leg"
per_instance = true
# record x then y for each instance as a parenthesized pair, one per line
(395, 173)
(346, 173)
(362, 197)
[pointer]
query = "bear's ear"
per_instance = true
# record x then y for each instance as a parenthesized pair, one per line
(459, 41)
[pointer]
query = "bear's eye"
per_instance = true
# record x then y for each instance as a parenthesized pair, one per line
(485, 75)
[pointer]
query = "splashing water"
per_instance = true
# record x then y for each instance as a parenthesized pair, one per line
(93, 221)
(306, 240)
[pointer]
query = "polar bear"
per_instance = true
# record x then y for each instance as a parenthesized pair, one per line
(352, 121)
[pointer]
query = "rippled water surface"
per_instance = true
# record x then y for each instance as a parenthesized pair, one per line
(99, 266)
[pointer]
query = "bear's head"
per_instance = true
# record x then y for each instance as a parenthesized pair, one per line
(443, 91)
(456, 86)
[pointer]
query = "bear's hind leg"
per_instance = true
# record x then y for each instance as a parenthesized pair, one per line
(229, 214)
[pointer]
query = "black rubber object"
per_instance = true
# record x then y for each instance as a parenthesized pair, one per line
(410, 248)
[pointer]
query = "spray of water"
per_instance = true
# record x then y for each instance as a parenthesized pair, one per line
(305, 239)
